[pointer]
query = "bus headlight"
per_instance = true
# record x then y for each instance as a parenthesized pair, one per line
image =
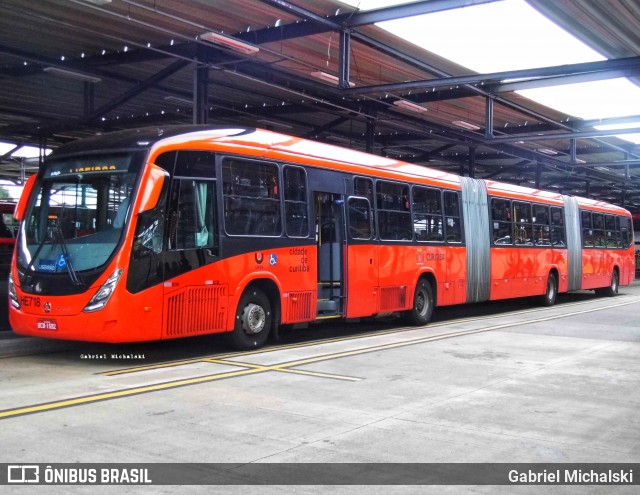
(13, 295)
(102, 296)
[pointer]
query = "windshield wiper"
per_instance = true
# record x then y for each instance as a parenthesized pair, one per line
(57, 237)
(73, 274)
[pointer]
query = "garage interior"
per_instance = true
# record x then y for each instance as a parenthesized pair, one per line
(318, 70)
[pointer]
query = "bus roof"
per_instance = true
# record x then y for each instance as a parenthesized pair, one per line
(276, 145)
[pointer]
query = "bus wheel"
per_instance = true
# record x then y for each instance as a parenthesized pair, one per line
(422, 309)
(253, 320)
(612, 290)
(550, 295)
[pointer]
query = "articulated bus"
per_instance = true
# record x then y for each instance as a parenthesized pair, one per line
(155, 233)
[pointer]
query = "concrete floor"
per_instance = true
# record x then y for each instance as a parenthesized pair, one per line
(498, 382)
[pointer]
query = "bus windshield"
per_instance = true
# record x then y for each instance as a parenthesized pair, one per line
(77, 213)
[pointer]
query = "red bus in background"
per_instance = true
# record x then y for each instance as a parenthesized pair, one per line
(171, 232)
(8, 232)
(636, 230)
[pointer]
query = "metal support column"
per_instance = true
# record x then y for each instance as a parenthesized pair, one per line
(371, 129)
(89, 98)
(41, 151)
(472, 162)
(488, 117)
(344, 58)
(200, 96)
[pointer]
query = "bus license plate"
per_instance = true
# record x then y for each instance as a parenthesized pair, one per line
(48, 325)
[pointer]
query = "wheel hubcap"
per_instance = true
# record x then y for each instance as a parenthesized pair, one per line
(253, 318)
(421, 303)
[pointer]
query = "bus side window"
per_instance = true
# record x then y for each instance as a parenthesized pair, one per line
(625, 233)
(557, 227)
(295, 202)
(587, 231)
(363, 187)
(251, 198)
(612, 233)
(192, 221)
(522, 223)
(453, 228)
(541, 231)
(501, 226)
(427, 214)
(145, 268)
(597, 220)
(393, 208)
(359, 218)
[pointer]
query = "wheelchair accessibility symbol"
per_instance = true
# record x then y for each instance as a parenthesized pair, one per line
(273, 259)
(61, 262)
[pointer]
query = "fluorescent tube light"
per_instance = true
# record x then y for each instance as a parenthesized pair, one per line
(228, 42)
(274, 123)
(466, 125)
(408, 105)
(177, 99)
(329, 78)
(72, 74)
(547, 151)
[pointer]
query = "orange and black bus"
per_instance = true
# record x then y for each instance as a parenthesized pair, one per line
(162, 233)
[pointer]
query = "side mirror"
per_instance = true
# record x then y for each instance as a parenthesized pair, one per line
(151, 187)
(21, 207)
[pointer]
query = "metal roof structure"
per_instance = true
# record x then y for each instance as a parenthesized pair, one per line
(315, 69)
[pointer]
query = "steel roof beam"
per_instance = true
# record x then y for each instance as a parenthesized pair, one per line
(563, 135)
(604, 67)
(404, 10)
(320, 24)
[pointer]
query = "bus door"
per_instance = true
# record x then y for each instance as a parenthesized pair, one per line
(362, 259)
(329, 218)
(194, 301)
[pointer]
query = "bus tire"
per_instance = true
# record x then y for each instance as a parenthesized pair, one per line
(551, 292)
(612, 290)
(422, 309)
(252, 321)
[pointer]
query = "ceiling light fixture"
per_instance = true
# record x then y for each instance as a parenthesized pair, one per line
(72, 74)
(408, 105)
(547, 151)
(329, 78)
(466, 125)
(229, 42)
(177, 99)
(274, 123)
